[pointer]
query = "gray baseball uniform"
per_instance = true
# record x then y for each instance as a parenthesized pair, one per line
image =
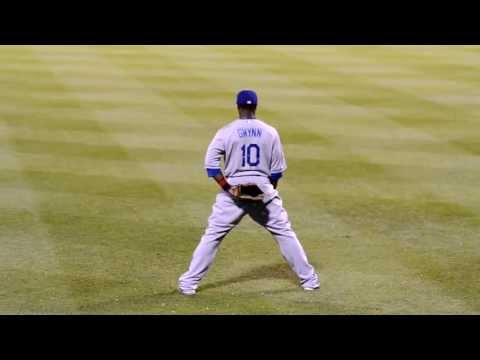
(252, 153)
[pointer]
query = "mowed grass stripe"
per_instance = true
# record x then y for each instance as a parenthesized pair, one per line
(438, 268)
(374, 90)
(328, 171)
(210, 118)
(381, 144)
(167, 275)
(95, 272)
(466, 210)
(428, 83)
(169, 172)
(120, 76)
(113, 151)
(215, 129)
(74, 127)
(37, 127)
(132, 123)
(104, 205)
(353, 225)
(446, 144)
(28, 248)
(353, 159)
(408, 238)
(451, 62)
(363, 168)
(92, 137)
(297, 135)
(348, 119)
(366, 85)
(196, 175)
(416, 110)
(338, 176)
(103, 152)
(465, 173)
(115, 116)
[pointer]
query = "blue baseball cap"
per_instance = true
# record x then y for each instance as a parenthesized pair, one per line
(247, 97)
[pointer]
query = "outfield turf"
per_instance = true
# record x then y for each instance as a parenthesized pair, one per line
(103, 195)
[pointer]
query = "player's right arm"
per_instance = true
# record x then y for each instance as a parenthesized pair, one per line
(278, 162)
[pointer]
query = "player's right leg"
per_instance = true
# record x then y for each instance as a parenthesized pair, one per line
(275, 219)
(225, 215)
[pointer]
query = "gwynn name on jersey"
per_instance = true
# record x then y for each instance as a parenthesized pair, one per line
(249, 132)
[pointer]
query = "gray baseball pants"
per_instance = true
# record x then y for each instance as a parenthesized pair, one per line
(226, 214)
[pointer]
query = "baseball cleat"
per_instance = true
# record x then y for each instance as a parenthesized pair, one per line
(188, 292)
(310, 288)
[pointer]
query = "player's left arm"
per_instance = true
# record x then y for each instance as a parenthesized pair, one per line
(274, 179)
(278, 163)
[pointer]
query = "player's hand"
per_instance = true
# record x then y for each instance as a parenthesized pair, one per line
(235, 191)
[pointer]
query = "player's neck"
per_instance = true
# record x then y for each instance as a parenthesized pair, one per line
(247, 116)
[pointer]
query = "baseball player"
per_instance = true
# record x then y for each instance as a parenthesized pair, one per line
(253, 164)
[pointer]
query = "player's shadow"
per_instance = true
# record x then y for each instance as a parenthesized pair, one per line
(272, 271)
(279, 270)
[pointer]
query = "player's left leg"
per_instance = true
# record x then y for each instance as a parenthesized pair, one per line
(275, 219)
(225, 215)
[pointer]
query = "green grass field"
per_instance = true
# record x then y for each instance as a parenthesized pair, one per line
(103, 195)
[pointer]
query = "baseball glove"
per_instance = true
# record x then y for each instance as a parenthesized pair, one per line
(247, 192)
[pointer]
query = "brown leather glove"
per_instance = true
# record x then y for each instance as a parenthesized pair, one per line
(246, 192)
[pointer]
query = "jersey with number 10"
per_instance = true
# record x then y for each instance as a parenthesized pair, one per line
(251, 150)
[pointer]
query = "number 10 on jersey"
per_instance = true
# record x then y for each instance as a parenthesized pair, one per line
(250, 154)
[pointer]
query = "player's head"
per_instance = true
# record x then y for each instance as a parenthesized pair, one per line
(247, 103)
